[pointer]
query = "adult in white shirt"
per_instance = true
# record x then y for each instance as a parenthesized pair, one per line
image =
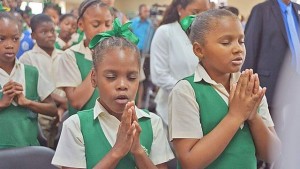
(171, 54)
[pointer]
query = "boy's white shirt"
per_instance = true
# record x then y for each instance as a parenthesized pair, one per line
(68, 74)
(184, 119)
(70, 151)
(45, 63)
(18, 75)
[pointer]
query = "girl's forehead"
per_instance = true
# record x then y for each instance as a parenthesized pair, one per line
(99, 13)
(7, 21)
(8, 25)
(219, 22)
(116, 54)
(51, 10)
(68, 18)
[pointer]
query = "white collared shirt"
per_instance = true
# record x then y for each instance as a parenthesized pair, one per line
(18, 75)
(68, 74)
(74, 39)
(45, 63)
(70, 151)
(172, 58)
(184, 118)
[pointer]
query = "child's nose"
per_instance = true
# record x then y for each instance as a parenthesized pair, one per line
(8, 45)
(50, 34)
(122, 85)
(238, 47)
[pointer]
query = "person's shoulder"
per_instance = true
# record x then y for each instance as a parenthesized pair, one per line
(135, 19)
(75, 48)
(261, 8)
(297, 6)
(164, 30)
(147, 113)
(166, 26)
(58, 51)
(265, 4)
(155, 119)
(182, 85)
(70, 52)
(72, 121)
(26, 55)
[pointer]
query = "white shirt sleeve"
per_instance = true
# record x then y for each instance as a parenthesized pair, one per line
(44, 87)
(160, 150)
(68, 74)
(70, 151)
(159, 60)
(265, 113)
(184, 119)
(25, 59)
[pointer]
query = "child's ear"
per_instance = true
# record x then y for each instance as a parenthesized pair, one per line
(198, 50)
(33, 35)
(179, 9)
(93, 78)
(80, 24)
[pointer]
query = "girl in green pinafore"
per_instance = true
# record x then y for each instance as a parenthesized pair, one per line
(23, 93)
(68, 28)
(219, 117)
(75, 65)
(115, 133)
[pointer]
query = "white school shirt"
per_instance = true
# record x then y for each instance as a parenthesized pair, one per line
(70, 151)
(171, 59)
(45, 63)
(62, 43)
(18, 75)
(184, 118)
(68, 74)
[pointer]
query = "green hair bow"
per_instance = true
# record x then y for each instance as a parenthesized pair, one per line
(3, 9)
(118, 30)
(47, 2)
(187, 21)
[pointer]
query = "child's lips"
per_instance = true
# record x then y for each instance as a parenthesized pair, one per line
(51, 40)
(9, 54)
(238, 61)
(122, 99)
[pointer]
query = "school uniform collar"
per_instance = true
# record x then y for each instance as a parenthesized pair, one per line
(17, 66)
(17, 63)
(37, 49)
(201, 74)
(99, 110)
(60, 42)
(80, 48)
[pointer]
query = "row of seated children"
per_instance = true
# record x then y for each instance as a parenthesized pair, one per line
(133, 137)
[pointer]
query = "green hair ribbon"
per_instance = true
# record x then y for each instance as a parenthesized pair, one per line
(118, 30)
(47, 2)
(187, 21)
(3, 8)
